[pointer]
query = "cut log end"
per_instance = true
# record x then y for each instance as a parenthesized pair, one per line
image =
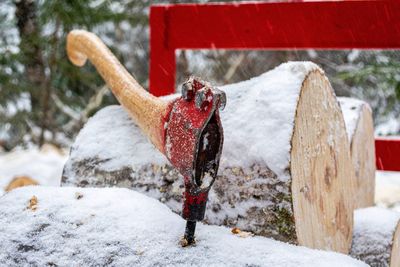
(360, 130)
(320, 168)
(395, 254)
(363, 157)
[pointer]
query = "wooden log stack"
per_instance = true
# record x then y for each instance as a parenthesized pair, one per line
(376, 234)
(285, 170)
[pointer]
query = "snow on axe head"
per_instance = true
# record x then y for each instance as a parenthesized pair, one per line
(187, 129)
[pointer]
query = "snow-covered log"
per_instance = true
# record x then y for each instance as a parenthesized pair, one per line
(360, 130)
(376, 237)
(50, 226)
(285, 166)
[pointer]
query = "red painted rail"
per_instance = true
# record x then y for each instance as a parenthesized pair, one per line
(254, 25)
(387, 154)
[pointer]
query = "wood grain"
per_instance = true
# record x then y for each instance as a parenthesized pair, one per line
(320, 168)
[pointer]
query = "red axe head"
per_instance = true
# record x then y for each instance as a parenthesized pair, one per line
(193, 144)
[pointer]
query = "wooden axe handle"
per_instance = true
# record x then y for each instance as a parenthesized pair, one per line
(148, 111)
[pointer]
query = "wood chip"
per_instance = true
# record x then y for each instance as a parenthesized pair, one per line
(33, 203)
(184, 243)
(78, 195)
(240, 233)
(235, 231)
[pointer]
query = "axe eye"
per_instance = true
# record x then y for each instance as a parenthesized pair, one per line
(203, 98)
(187, 91)
(207, 154)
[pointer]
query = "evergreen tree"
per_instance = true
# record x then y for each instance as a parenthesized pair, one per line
(44, 98)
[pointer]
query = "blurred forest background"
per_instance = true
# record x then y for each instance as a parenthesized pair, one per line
(45, 99)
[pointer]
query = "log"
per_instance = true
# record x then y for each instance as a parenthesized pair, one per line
(284, 170)
(376, 237)
(20, 181)
(360, 131)
(53, 226)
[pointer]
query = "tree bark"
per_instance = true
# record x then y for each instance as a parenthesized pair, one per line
(32, 57)
(284, 170)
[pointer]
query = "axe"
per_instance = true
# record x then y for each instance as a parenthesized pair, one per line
(187, 130)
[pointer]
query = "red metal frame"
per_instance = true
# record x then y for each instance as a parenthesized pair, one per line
(363, 24)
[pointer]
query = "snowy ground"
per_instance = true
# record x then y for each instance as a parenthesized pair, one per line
(75, 227)
(387, 190)
(45, 166)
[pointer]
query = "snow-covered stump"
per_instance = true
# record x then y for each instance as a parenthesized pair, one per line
(376, 237)
(360, 130)
(284, 170)
(50, 226)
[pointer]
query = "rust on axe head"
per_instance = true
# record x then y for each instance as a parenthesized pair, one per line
(187, 130)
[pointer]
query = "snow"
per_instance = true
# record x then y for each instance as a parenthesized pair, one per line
(375, 219)
(390, 127)
(373, 234)
(119, 227)
(125, 146)
(387, 190)
(22, 103)
(44, 166)
(263, 108)
(353, 55)
(351, 109)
